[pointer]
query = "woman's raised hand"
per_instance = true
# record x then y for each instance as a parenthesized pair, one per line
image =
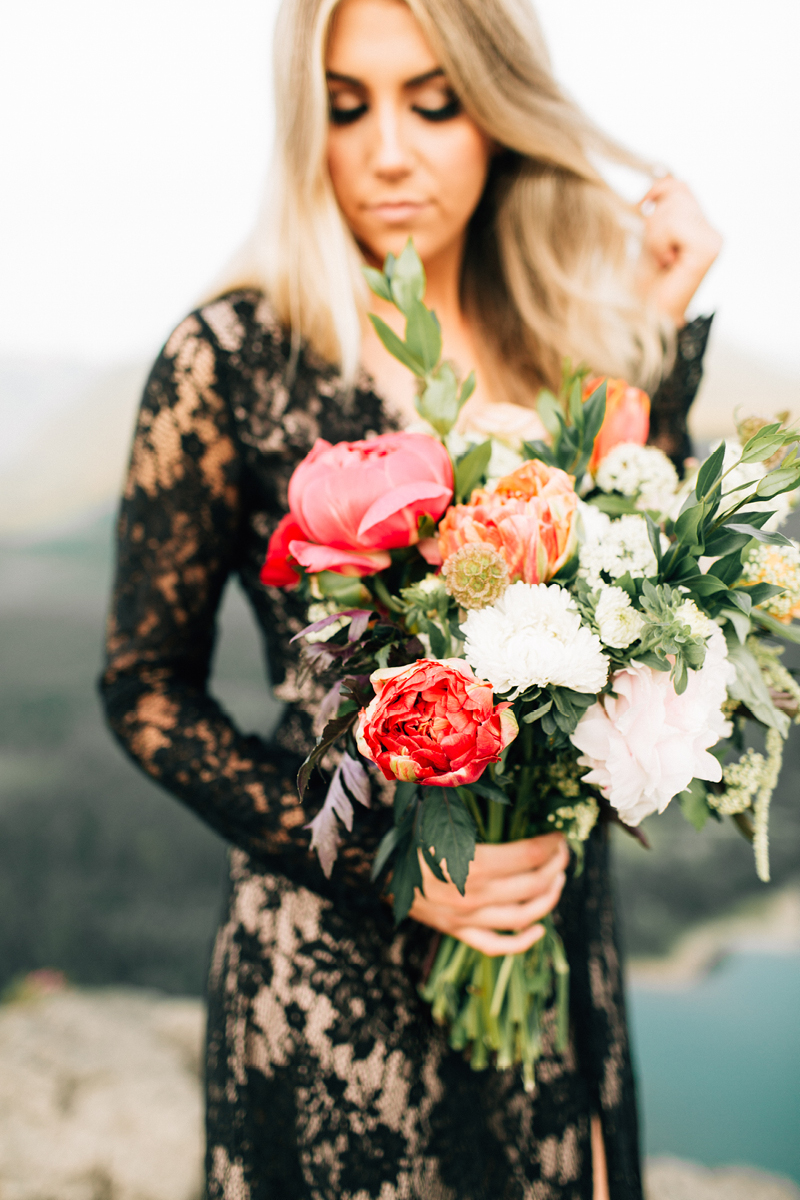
(678, 247)
(509, 887)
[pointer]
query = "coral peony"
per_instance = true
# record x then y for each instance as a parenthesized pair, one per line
(355, 501)
(433, 722)
(530, 519)
(645, 744)
(627, 417)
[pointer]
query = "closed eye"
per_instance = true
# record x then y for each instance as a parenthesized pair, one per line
(346, 116)
(445, 113)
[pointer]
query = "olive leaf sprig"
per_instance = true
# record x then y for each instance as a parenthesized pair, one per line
(440, 393)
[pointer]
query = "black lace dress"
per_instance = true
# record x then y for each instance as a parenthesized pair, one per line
(326, 1079)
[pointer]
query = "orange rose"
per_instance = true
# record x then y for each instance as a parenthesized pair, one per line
(530, 520)
(627, 417)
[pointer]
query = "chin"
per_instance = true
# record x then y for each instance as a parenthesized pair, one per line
(393, 240)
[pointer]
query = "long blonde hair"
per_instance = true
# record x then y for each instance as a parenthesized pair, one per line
(548, 264)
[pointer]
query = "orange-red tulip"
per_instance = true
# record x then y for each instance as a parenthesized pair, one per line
(627, 417)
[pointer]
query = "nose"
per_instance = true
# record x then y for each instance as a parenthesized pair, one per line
(392, 158)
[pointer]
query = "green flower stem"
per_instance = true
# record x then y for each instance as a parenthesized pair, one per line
(497, 815)
(519, 817)
(501, 985)
(495, 1006)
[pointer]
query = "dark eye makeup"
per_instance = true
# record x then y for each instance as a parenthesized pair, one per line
(347, 116)
(445, 113)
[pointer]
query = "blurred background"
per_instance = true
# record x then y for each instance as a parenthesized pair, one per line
(135, 141)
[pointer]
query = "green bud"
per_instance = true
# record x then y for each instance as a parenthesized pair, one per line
(476, 575)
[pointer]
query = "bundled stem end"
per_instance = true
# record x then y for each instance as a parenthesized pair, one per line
(496, 1006)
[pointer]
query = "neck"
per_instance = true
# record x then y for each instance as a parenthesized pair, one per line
(443, 273)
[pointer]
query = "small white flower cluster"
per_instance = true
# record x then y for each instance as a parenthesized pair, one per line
(533, 636)
(577, 820)
(769, 781)
(641, 471)
(699, 624)
(616, 547)
(780, 566)
(742, 780)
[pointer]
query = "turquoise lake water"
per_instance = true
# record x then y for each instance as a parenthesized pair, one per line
(719, 1065)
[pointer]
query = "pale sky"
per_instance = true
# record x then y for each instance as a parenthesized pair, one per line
(136, 137)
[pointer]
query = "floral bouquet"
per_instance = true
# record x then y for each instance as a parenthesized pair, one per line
(583, 635)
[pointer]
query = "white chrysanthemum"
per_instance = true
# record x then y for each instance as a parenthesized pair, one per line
(641, 471)
(623, 546)
(645, 744)
(533, 636)
(618, 621)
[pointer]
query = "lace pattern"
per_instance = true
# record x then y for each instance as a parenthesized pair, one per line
(325, 1076)
(674, 397)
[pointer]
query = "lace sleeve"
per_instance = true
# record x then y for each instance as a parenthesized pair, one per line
(180, 534)
(673, 399)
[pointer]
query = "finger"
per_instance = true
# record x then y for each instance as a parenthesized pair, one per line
(495, 944)
(514, 858)
(662, 188)
(502, 889)
(516, 889)
(518, 916)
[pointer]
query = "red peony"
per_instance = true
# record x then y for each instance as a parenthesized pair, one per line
(278, 570)
(434, 723)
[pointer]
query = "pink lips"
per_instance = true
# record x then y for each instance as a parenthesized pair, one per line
(397, 211)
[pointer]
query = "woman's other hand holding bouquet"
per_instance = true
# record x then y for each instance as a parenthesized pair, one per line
(511, 886)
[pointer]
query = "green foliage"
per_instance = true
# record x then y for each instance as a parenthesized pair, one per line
(749, 688)
(471, 469)
(573, 424)
(448, 832)
(707, 526)
(440, 394)
(665, 634)
(694, 805)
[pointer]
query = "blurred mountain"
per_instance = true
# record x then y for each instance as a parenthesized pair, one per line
(65, 430)
(735, 380)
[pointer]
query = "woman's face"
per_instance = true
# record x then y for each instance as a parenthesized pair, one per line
(405, 161)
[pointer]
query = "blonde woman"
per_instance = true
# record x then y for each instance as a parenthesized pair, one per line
(438, 119)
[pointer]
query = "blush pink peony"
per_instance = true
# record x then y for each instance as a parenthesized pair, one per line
(645, 744)
(434, 723)
(530, 519)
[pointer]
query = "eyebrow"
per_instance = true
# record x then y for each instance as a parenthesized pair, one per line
(417, 81)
